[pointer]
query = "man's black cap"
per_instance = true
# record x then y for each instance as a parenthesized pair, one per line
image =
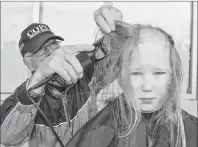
(33, 37)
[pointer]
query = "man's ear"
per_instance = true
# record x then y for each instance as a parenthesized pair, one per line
(26, 61)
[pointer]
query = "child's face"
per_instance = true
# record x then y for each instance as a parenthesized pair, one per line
(149, 73)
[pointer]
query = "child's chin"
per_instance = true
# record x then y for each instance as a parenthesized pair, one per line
(147, 109)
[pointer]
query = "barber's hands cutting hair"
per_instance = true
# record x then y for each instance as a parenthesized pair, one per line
(63, 61)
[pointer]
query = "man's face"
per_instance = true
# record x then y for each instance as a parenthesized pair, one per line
(35, 59)
(150, 72)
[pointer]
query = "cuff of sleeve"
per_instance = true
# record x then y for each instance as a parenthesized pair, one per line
(23, 96)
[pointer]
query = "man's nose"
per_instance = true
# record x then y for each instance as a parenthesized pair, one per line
(147, 84)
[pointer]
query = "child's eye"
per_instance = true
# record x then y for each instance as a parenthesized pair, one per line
(136, 73)
(159, 73)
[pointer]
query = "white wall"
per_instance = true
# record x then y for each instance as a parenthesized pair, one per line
(72, 20)
(15, 16)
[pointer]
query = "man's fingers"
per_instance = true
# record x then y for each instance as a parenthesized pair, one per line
(74, 62)
(63, 73)
(116, 14)
(101, 22)
(84, 47)
(73, 49)
(105, 11)
(65, 63)
(105, 17)
(70, 70)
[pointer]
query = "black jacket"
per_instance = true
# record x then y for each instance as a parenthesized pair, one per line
(99, 132)
(20, 121)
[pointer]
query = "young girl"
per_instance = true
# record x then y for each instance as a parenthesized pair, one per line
(147, 67)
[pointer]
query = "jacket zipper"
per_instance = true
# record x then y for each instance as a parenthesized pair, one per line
(65, 106)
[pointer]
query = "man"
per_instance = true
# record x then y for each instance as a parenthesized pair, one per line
(43, 55)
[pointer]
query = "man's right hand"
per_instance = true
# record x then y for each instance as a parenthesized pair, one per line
(63, 62)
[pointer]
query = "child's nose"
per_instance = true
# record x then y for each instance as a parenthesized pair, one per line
(147, 85)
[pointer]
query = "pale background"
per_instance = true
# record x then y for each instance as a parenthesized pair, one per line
(74, 22)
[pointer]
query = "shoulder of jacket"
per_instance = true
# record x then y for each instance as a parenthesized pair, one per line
(19, 88)
(187, 117)
(190, 127)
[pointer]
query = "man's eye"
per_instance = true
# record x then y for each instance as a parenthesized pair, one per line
(55, 46)
(40, 52)
(159, 73)
(136, 73)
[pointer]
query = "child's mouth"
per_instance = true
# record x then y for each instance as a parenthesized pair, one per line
(147, 100)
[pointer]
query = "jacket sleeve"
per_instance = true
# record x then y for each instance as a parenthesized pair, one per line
(17, 117)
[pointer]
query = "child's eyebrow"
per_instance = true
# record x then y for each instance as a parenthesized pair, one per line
(162, 69)
(166, 69)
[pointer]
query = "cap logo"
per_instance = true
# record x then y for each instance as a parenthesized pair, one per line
(37, 30)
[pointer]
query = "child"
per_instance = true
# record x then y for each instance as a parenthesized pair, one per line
(148, 113)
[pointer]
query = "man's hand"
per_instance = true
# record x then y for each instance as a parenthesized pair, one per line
(105, 17)
(63, 62)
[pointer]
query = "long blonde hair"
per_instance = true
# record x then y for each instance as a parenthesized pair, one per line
(127, 115)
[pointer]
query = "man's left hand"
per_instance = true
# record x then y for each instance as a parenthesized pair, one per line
(105, 17)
